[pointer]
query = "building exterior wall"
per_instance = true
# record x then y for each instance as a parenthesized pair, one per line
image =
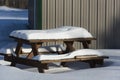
(100, 17)
(35, 14)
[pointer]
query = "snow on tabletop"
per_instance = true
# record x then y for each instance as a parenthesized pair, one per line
(64, 32)
(70, 55)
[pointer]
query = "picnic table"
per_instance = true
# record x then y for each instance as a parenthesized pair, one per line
(35, 40)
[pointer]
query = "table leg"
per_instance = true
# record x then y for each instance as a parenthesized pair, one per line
(30, 55)
(69, 48)
(41, 67)
(35, 52)
(92, 64)
(13, 63)
(17, 52)
(35, 47)
(85, 44)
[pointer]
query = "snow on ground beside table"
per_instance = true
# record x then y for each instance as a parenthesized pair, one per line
(2, 62)
(11, 19)
(109, 71)
(13, 13)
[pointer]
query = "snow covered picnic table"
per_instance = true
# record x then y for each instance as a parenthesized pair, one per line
(35, 38)
(64, 32)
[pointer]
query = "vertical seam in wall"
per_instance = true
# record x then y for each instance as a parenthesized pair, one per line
(55, 13)
(80, 17)
(114, 19)
(63, 12)
(55, 25)
(47, 14)
(97, 26)
(105, 45)
(80, 10)
(89, 15)
(72, 14)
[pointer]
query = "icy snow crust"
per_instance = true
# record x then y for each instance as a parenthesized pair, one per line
(64, 32)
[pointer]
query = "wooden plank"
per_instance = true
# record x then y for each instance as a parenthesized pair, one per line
(91, 57)
(77, 58)
(47, 40)
(60, 60)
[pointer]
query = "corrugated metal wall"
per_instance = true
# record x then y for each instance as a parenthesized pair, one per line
(100, 17)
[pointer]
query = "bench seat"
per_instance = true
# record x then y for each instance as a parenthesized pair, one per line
(81, 52)
(93, 57)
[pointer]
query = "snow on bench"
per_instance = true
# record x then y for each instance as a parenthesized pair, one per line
(10, 48)
(71, 55)
(64, 32)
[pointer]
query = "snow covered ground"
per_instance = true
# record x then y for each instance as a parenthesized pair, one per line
(11, 18)
(76, 71)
